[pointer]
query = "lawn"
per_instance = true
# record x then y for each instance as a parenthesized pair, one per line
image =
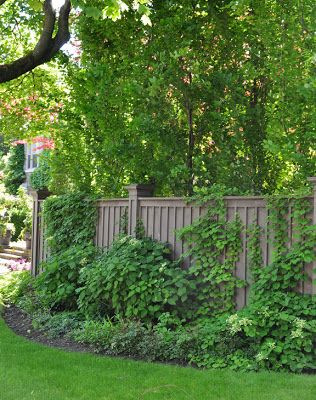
(29, 371)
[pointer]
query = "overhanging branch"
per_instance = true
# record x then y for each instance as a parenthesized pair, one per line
(47, 45)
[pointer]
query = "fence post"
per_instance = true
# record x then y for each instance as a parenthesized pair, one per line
(135, 192)
(312, 180)
(38, 196)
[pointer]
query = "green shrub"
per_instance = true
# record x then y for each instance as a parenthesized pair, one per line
(151, 297)
(58, 283)
(14, 174)
(13, 285)
(134, 278)
(15, 212)
(20, 214)
(7, 201)
(258, 338)
(98, 334)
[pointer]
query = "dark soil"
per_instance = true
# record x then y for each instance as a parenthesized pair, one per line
(21, 324)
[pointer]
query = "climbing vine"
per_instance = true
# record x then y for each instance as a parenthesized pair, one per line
(214, 245)
(292, 238)
(69, 220)
(280, 317)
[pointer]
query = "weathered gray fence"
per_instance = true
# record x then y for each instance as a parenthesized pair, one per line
(161, 218)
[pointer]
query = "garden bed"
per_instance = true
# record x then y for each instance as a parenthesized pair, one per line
(21, 324)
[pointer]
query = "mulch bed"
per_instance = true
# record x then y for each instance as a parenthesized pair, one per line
(21, 324)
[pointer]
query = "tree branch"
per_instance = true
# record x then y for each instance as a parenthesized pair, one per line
(47, 45)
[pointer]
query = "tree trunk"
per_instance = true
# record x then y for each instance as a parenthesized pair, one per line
(47, 46)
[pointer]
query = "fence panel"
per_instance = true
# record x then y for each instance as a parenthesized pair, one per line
(162, 217)
(111, 218)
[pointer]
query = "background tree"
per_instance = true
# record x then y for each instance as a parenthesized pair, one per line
(211, 92)
(14, 174)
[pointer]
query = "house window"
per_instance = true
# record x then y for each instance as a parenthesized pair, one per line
(32, 156)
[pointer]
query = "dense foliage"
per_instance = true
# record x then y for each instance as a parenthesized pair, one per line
(20, 214)
(14, 174)
(13, 285)
(59, 282)
(204, 92)
(134, 339)
(69, 220)
(15, 213)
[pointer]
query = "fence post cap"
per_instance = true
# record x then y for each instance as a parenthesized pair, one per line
(40, 194)
(140, 190)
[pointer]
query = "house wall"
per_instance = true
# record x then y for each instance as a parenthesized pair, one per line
(32, 153)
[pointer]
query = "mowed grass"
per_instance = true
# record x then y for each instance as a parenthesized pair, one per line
(30, 371)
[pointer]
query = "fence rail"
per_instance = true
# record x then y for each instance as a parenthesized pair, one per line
(162, 217)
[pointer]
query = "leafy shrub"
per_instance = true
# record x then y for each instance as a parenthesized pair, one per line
(59, 280)
(17, 217)
(13, 285)
(134, 278)
(216, 345)
(14, 174)
(258, 338)
(15, 212)
(70, 220)
(20, 214)
(137, 283)
(6, 203)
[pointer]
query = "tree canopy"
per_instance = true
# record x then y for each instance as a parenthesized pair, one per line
(54, 32)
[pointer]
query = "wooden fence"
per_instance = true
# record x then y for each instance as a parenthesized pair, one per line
(161, 217)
